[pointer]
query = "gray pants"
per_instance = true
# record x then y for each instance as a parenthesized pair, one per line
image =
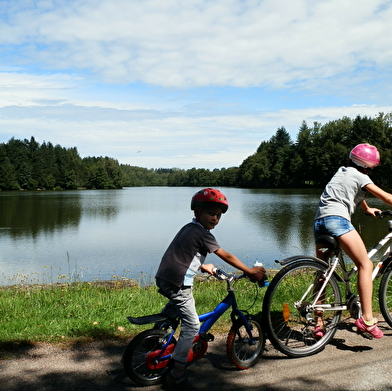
(181, 303)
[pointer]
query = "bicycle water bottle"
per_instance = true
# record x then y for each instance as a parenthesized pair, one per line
(264, 281)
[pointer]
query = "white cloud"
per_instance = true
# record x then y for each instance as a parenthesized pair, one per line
(199, 43)
(187, 83)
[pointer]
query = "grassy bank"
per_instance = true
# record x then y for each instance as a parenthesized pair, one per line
(85, 312)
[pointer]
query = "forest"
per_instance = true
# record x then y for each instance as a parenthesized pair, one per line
(308, 161)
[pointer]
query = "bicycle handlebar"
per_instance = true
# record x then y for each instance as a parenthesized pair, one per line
(222, 275)
(383, 213)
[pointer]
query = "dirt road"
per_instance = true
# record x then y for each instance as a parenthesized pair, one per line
(350, 362)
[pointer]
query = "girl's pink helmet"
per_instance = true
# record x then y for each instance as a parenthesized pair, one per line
(365, 155)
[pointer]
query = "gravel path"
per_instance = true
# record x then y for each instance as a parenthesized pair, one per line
(350, 362)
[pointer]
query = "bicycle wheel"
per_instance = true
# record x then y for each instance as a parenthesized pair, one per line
(138, 358)
(385, 296)
(288, 318)
(241, 352)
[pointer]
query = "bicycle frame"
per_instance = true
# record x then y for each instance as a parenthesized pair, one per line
(159, 358)
(338, 259)
(377, 247)
(209, 318)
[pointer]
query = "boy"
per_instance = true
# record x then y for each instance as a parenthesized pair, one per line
(180, 263)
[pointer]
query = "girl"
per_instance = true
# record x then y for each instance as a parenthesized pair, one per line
(347, 189)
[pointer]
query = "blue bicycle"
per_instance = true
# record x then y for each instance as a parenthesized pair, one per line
(147, 356)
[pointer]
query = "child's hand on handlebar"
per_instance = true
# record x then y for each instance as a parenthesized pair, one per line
(373, 212)
(209, 268)
(257, 273)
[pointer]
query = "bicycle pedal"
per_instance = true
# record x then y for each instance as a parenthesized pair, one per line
(365, 334)
(207, 337)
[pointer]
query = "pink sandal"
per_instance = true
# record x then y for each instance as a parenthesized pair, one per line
(368, 331)
(318, 332)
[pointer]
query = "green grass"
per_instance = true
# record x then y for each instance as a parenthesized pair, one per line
(83, 312)
(86, 312)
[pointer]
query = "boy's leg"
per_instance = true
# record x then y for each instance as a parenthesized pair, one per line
(189, 323)
(171, 310)
(176, 380)
(181, 304)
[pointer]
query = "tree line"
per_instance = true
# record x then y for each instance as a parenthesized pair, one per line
(29, 165)
(317, 153)
(280, 162)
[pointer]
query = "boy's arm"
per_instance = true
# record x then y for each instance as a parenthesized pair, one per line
(256, 272)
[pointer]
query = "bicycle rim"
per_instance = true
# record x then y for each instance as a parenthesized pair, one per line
(385, 296)
(135, 357)
(242, 352)
(288, 320)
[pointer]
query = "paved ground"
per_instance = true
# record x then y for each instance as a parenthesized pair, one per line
(350, 362)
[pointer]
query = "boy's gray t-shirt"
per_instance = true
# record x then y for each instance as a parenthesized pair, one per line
(343, 193)
(186, 254)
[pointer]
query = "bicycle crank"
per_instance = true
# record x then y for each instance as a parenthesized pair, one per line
(354, 306)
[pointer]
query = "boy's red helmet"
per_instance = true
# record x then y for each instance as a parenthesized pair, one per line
(208, 196)
(365, 155)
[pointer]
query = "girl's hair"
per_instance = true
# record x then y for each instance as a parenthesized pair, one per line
(364, 170)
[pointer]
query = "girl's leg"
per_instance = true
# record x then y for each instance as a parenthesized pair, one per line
(354, 247)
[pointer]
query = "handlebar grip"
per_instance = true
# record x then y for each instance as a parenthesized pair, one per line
(222, 275)
(383, 213)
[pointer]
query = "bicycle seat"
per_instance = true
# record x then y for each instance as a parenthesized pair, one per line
(329, 241)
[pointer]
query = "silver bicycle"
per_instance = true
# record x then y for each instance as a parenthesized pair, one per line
(307, 286)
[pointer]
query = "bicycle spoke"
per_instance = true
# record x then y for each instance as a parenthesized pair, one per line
(242, 352)
(288, 310)
(135, 357)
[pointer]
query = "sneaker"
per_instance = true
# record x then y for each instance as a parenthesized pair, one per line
(367, 331)
(182, 383)
(318, 332)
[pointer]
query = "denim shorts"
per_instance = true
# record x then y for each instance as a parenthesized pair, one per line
(332, 225)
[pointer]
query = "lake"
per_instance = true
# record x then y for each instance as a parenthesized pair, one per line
(87, 235)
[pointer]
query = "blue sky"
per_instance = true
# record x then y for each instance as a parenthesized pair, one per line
(191, 83)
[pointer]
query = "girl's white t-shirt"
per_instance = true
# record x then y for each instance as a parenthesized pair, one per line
(344, 192)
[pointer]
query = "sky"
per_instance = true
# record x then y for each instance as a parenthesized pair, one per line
(188, 83)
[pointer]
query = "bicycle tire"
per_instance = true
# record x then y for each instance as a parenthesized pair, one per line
(240, 351)
(385, 296)
(136, 353)
(286, 326)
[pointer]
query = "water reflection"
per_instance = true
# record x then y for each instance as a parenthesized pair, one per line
(102, 233)
(101, 204)
(286, 216)
(29, 214)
